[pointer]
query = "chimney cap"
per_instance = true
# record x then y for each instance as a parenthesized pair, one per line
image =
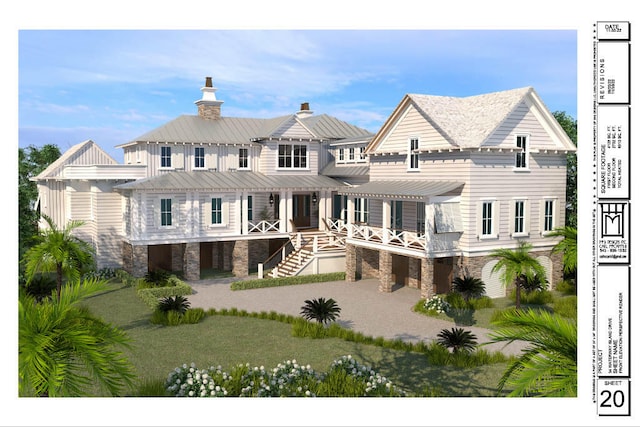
(208, 82)
(304, 106)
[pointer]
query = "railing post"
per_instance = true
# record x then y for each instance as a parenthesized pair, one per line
(260, 270)
(315, 244)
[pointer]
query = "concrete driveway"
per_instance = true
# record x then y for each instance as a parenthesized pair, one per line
(363, 307)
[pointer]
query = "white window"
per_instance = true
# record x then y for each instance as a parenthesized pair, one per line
(341, 155)
(396, 214)
(352, 154)
(361, 210)
(198, 156)
(243, 158)
(165, 157)
(216, 210)
(166, 219)
(127, 156)
(420, 223)
(519, 217)
(138, 154)
(412, 156)
(548, 218)
(292, 156)
(488, 219)
(361, 156)
(522, 157)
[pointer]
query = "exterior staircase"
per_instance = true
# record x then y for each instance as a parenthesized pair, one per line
(307, 245)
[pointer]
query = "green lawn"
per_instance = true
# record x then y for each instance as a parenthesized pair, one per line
(228, 340)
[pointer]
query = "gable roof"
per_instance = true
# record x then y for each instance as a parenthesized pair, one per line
(84, 153)
(468, 122)
(193, 128)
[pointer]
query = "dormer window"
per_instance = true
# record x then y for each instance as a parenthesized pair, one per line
(412, 155)
(341, 155)
(361, 156)
(352, 154)
(522, 157)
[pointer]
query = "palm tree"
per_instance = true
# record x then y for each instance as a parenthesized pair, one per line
(548, 366)
(469, 287)
(59, 251)
(516, 266)
(457, 339)
(321, 310)
(568, 246)
(63, 349)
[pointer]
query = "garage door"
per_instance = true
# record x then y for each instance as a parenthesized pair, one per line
(493, 286)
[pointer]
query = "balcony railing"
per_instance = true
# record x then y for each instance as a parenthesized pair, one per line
(264, 226)
(404, 238)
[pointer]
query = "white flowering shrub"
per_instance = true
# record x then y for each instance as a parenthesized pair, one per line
(346, 377)
(188, 381)
(437, 304)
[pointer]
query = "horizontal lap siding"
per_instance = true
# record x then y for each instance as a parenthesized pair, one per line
(493, 177)
(521, 121)
(414, 124)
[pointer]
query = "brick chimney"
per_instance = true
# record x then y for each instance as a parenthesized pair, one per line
(304, 110)
(209, 106)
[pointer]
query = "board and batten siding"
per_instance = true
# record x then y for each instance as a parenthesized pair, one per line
(108, 218)
(411, 124)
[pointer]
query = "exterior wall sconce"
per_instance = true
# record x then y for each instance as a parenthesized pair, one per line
(314, 198)
(271, 199)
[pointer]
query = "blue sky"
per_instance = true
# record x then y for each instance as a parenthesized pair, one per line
(113, 85)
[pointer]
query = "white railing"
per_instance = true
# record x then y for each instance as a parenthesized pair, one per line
(408, 239)
(264, 226)
(337, 225)
(404, 238)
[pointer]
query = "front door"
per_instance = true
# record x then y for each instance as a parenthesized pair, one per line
(302, 210)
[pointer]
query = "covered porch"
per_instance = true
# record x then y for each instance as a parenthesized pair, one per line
(414, 218)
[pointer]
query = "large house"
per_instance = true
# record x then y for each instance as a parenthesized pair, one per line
(441, 184)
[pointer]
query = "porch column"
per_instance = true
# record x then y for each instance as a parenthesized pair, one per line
(322, 209)
(245, 212)
(240, 258)
(237, 212)
(282, 212)
(328, 211)
(386, 219)
(289, 214)
(415, 266)
(427, 287)
(140, 260)
(350, 263)
(385, 271)
(191, 263)
(350, 210)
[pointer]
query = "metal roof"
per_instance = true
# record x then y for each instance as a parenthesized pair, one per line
(235, 130)
(348, 170)
(229, 181)
(403, 189)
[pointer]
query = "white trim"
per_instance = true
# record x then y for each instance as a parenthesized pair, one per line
(525, 218)
(554, 213)
(413, 152)
(495, 216)
(526, 152)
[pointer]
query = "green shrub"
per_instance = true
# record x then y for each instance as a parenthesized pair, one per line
(321, 310)
(177, 303)
(457, 339)
(150, 296)
(567, 306)
(193, 315)
(41, 286)
(566, 287)
(482, 302)
(287, 281)
(174, 318)
(151, 388)
(533, 297)
(469, 287)
(158, 278)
